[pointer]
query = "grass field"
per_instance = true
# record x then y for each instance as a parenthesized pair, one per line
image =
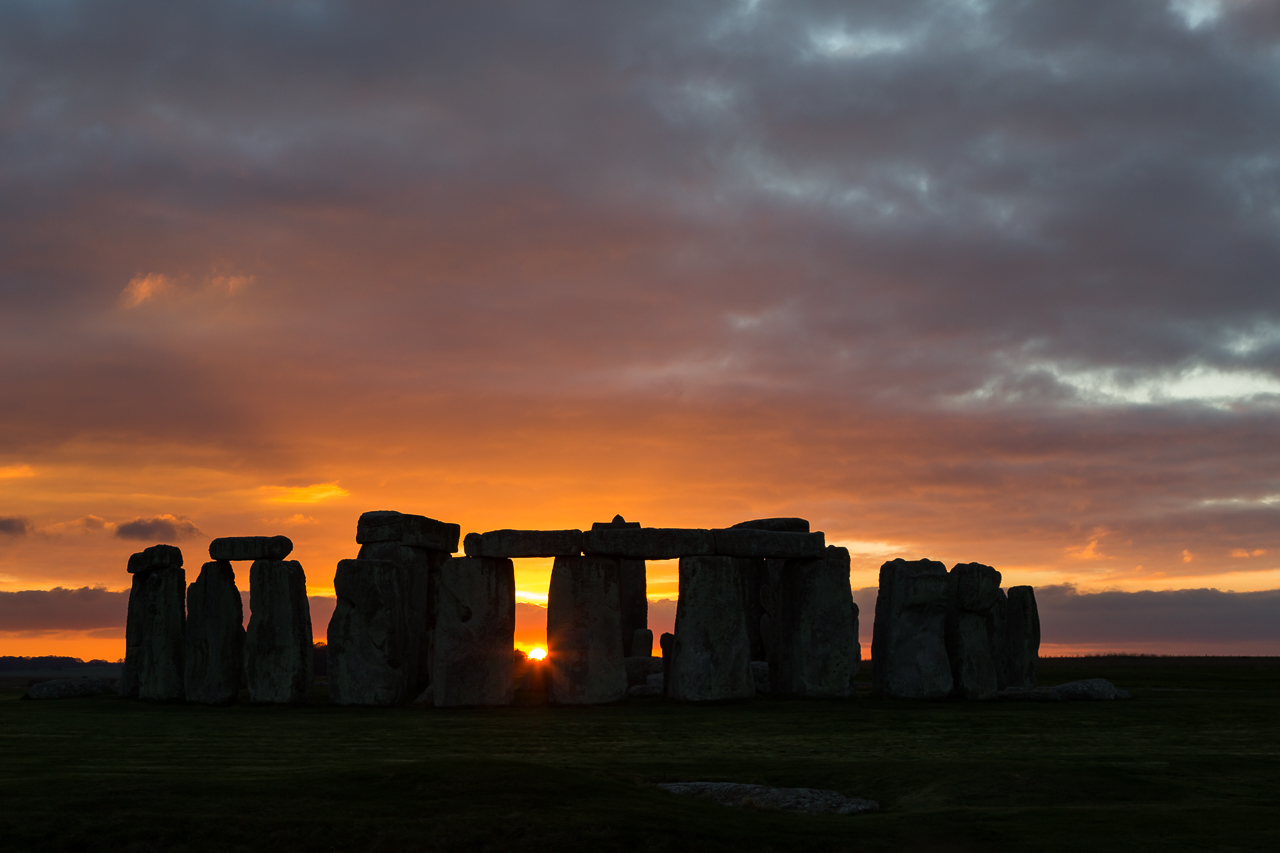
(1191, 763)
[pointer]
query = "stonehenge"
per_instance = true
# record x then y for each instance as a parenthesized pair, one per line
(908, 647)
(814, 649)
(711, 652)
(584, 637)
(213, 651)
(973, 630)
(155, 626)
(1021, 643)
(277, 648)
(475, 632)
(250, 548)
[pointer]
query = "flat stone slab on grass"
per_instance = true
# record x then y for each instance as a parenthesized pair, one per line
(524, 543)
(750, 542)
(649, 543)
(250, 548)
(1085, 690)
(798, 800)
(69, 688)
(416, 531)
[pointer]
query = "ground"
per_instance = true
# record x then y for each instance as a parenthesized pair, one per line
(1191, 763)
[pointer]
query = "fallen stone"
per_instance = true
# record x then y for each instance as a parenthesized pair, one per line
(809, 801)
(417, 531)
(69, 688)
(154, 635)
(908, 646)
(711, 652)
(156, 557)
(250, 548)
(640, 668)
(278, 648)
(648, 543)
(633, 603)
(780, 525)
(760, 676)
(1021, 652)
(524, 543)
(618, 521)
(814, 647)
(1086, 690)
(748, 542)
(584, 634)
(475, 632)
(368, 635)
(640, 691)
(642, 643)
(213, 652)
(972, 630)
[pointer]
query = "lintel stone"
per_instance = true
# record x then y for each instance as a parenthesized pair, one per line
(417, 531)
(751, 542)
(649, 543)
(231, 548)
(524, 543)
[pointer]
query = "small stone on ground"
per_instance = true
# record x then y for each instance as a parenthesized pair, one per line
(69, 688)
(799, 800)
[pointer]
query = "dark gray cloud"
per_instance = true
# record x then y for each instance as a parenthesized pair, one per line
(162, 528)
(12, 525)
(59, 609)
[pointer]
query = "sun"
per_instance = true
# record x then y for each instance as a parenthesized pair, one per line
(537, 654)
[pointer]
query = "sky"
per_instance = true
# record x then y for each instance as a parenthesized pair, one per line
(971, 281)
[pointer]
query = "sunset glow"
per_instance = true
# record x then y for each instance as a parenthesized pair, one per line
(537, 654)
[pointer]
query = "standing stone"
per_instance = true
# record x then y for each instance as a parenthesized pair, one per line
(475, 632)
(815, 650)
(1022, 637)
(633, 602)
(908, 645)
(368, 636)
(666, 642)
(999, 638)
(755, 610)
(973, 600)
(584, 637)
(422, 567)
(214, 649)
(127, 686)
(163, 622)
(711, 654)
(277, 650)
(642, 643)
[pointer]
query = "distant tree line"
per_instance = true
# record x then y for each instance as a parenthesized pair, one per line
(10, 663)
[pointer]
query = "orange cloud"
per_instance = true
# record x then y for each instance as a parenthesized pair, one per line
(304, 494)
(142, 288)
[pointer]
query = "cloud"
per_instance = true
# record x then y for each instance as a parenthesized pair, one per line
(41, 611)
(160, 528)
(304, 494)
(11, 525)
(142, 288)
(13, 472)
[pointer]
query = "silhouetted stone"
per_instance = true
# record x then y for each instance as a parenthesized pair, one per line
(748, 542)
(161, 622)
(422, 567)
(640, 668)
(760, 676)
(369, 636)
(781, 525)
(250, 548)
(814, 649)
(475, 632)
(642, 643)
(1021, 638)
(127, 684)
(972, 634)
(68, 688)
(711, 654)
(1086, 690)
(524, 543)
(644, 691)
(618, 521)
(416, 531)
(277, 651)
(156, 557)
(908, 646)
(214, 649)
(648, 543)
(584, 634)
(633, 603)
(755, 589)
(666, 642)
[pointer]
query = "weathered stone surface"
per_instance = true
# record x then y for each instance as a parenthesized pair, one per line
(754, 607)
(814, 649)
(656, 680)
(156, 557)
(634, 604)
(1086, 690)
(618, 521)
(369, 636)
(423, 567)
(760, 676)
(417, 531)
(908, 645)
(524, 543)
(153, 635)
(277, 648)
(127, 684)
(584, 633)
(711, 653)
(648, 543)
(1021, 638)
(642, 643)
(213, 653)
(781, 525)
(747, 542)
(475, 632)
(640, 691)
(640, 668)
(250, 548)
(972, 633)
(69, 688)
(799, 800)
(666, 642)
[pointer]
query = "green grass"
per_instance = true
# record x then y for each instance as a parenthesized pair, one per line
(1192, 763)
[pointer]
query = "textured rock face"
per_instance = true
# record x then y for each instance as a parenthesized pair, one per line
(781, 525)
(666, 642)
(648, 543)
(814, 649)
(750, 542)
(908, 646)
(161, 621)
(640, 670)
(760, 676)
(973, 641)
(156, 557)
(416, 531)
(277, 650)
(250, 548)
(423, 575)
(475, 632)
(711, 653)
(754, 606)
(213, 654)
(584, 634)
(641, 643)
(1021, 638)
(369, 637)
(524, 543)
(634, 605)
(127, 685)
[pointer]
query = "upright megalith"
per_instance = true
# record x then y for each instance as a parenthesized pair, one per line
(641, 643)
(972, 632)
(248, 548)
(633, 589)
(475, 632)
(420, 576)
(214, 649)
(711, 652)
(370, 642)
(584, 637)
(277, 649)
(814, 649)
(754, 605)
(1021, 657)
(155, 625)
(908, 641)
